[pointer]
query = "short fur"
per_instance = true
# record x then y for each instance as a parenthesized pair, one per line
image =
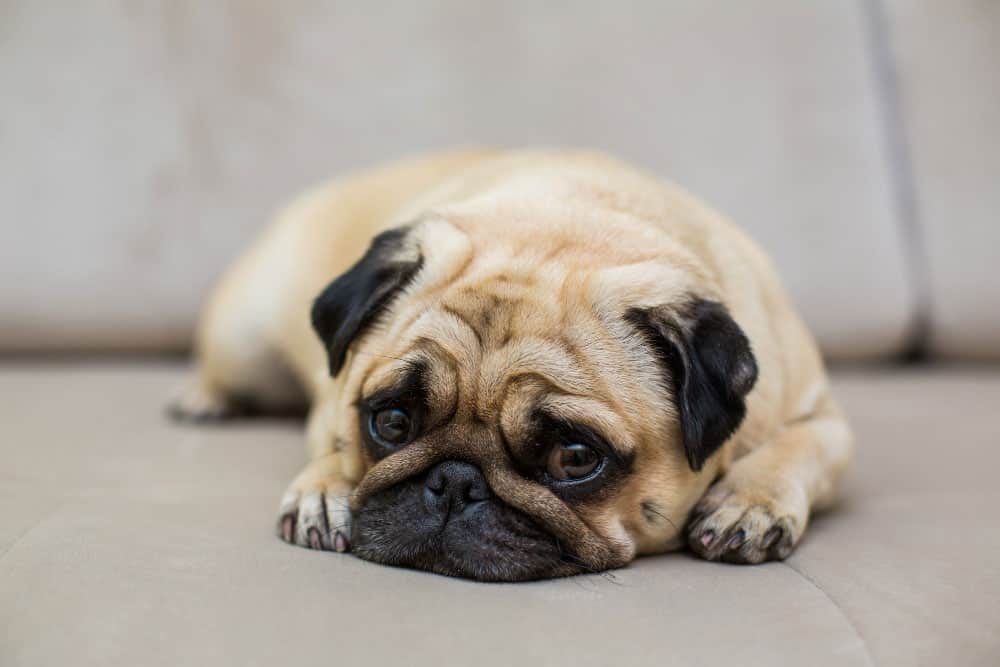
(520, 299)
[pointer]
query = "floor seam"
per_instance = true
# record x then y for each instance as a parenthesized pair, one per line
(847, 619)
(28, 531)
(902, 180)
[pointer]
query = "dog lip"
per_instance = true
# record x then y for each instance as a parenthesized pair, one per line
(484, 540)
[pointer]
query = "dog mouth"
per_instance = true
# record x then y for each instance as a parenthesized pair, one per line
(457, 528)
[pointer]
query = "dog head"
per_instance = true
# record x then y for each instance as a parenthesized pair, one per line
(528, 399)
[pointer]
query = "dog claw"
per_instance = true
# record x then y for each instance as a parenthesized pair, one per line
(737, 540)
(737, 531)
(288, 527)
(315, 541)
(315, 520)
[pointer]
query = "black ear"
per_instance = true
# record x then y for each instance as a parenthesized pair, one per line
(352, 302)
(711, 370)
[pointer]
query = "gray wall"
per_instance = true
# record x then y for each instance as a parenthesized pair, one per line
(143, 144)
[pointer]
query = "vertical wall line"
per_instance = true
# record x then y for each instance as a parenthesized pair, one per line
(902, 179)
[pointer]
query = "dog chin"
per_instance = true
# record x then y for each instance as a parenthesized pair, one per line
(486, 540)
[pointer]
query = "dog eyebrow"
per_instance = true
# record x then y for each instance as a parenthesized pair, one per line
(570, 429)
(546, 409)
(589, 417)
(440, 398)
(409, 383)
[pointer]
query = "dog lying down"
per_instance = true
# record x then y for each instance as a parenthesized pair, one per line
(524, 364)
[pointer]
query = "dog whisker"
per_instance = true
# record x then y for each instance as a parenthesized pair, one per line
(648, 507)
(381, 356)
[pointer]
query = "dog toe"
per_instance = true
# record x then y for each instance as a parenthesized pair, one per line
(315, 520)
(742, 528)
(197, 404)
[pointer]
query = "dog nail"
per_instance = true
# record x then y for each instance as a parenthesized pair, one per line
(707, 538)
(738, 538)
(770, 537)
(315, 541)
(340, 542)
(287, 527)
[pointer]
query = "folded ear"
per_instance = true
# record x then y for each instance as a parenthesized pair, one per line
(710, 367)
(353, 301)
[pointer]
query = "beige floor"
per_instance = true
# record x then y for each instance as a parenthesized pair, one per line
(126, 540)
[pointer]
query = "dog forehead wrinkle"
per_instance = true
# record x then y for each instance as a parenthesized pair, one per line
(461, 318)
(489, 316)
(516, 409)
(544, 359)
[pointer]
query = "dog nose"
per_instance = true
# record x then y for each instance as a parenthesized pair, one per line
(453, 487)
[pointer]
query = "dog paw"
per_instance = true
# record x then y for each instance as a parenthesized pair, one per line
(746, 525)
(198, 404)
(315, 519)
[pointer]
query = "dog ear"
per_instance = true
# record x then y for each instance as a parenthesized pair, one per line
(353, 301)
(710, 366)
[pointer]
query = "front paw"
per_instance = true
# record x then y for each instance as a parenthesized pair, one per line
(747, 525)
(316, 519)
(196, 403)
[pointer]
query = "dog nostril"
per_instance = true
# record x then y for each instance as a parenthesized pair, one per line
(477, 491)
(455, 484)
(436, 483)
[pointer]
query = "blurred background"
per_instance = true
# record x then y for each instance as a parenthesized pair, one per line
(142, 144)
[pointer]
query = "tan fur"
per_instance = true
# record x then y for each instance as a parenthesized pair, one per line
(531, 260)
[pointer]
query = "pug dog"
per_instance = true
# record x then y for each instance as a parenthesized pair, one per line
(524, 364)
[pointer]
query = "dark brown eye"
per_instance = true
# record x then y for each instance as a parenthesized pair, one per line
(572, 461)
(391, 427)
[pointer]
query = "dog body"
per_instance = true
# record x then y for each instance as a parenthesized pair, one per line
(545, 362)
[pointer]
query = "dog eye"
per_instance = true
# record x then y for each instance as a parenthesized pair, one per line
(391, 427)
(572, 462)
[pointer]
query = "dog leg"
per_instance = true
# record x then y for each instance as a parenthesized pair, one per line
(759, 509)
(220, 390)
(199, 402)
(239, 369)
